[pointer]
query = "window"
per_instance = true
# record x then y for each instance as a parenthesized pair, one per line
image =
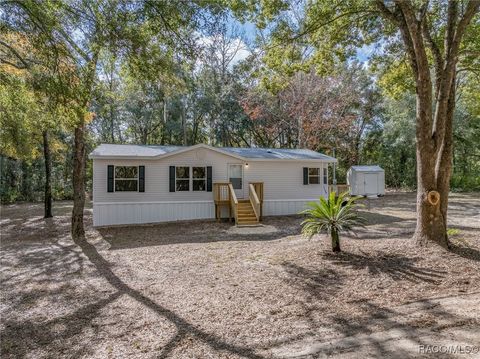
(199, 178)
(126, 178)
(235, 174)
(314, 176)
(182, 178)
(325, 175)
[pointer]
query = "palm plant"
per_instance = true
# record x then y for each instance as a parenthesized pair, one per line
(335, 215)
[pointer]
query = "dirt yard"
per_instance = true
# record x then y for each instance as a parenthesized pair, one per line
(209, 290)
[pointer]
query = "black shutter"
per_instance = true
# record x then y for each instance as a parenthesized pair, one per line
(209, 178)
(110, 170)
(141, 178)
(305, 175)
(172, 179)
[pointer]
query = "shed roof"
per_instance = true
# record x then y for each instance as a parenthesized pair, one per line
(367, 168)
(252, 153)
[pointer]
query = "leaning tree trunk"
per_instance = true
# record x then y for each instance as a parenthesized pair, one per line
(78, 182)
(48, 175)
(78, 229)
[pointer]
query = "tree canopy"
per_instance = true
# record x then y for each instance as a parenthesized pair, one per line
(77, 73)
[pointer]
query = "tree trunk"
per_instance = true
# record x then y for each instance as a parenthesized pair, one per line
(184, 125)
(444, 168)
(431, 224)
(78, 182)
(48, 175)
(301, 134)
(164, 127)
(433, 130)
(112, 123)
(335, 241)
(434, 169)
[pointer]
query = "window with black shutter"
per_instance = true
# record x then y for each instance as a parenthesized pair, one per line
(110, 178)
(171, 179)
(209, 179)
(141, 178)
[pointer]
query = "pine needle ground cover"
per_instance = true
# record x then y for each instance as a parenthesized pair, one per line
(207, 289)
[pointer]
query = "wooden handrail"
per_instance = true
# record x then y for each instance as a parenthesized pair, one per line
(258, 189)
(220, 192)
(258, 186)
(254, 201)
(233, 202)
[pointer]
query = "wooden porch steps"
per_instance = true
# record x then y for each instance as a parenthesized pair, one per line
(246, 215)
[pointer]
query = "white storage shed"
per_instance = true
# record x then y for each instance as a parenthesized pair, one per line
(366, 180)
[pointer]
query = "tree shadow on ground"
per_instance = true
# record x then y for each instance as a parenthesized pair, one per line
(322, 283)
(377, 218)
(395, 266)
(382, 328)
(21, 337)
(463, 250)
(44, 271)
(184, 232)
(183, 327)
(386, 331)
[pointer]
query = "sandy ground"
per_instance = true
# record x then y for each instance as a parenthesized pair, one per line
(210, 290)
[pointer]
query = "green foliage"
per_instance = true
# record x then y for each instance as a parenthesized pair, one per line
(392, 146)
(333, 216)
(18, 113)
(453, 232)
(161, 72)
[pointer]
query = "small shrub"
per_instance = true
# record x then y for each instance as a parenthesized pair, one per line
(333, 216)
(453, 232)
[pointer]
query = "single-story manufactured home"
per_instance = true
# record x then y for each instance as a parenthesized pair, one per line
(148, 184)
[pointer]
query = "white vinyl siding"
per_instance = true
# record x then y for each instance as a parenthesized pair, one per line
(284, 192)
(157, 177)
(125, 178)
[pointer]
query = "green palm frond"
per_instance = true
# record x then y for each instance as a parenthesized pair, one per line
(338, 213)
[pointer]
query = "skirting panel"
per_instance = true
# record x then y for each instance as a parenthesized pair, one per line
(106, 214)
(284, 207)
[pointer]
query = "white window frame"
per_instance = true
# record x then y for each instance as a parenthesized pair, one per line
(190, 178)
(184, 179)
(243, 174)
(124, 179)
(319, 175)
(199, 179)
(325, 175)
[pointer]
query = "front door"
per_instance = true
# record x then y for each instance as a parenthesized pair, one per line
(235, 176)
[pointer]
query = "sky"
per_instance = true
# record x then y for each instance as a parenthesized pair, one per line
(249, 32)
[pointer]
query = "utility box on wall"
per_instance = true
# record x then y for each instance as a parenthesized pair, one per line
(366, 180)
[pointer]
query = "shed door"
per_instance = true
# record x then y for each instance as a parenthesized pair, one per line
(371, 184)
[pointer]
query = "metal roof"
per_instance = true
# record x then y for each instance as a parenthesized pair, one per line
(145, 151)
(277, 153)
(367, 168)
(108, 150)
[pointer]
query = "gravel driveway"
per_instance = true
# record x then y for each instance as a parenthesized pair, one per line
(209, 290)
